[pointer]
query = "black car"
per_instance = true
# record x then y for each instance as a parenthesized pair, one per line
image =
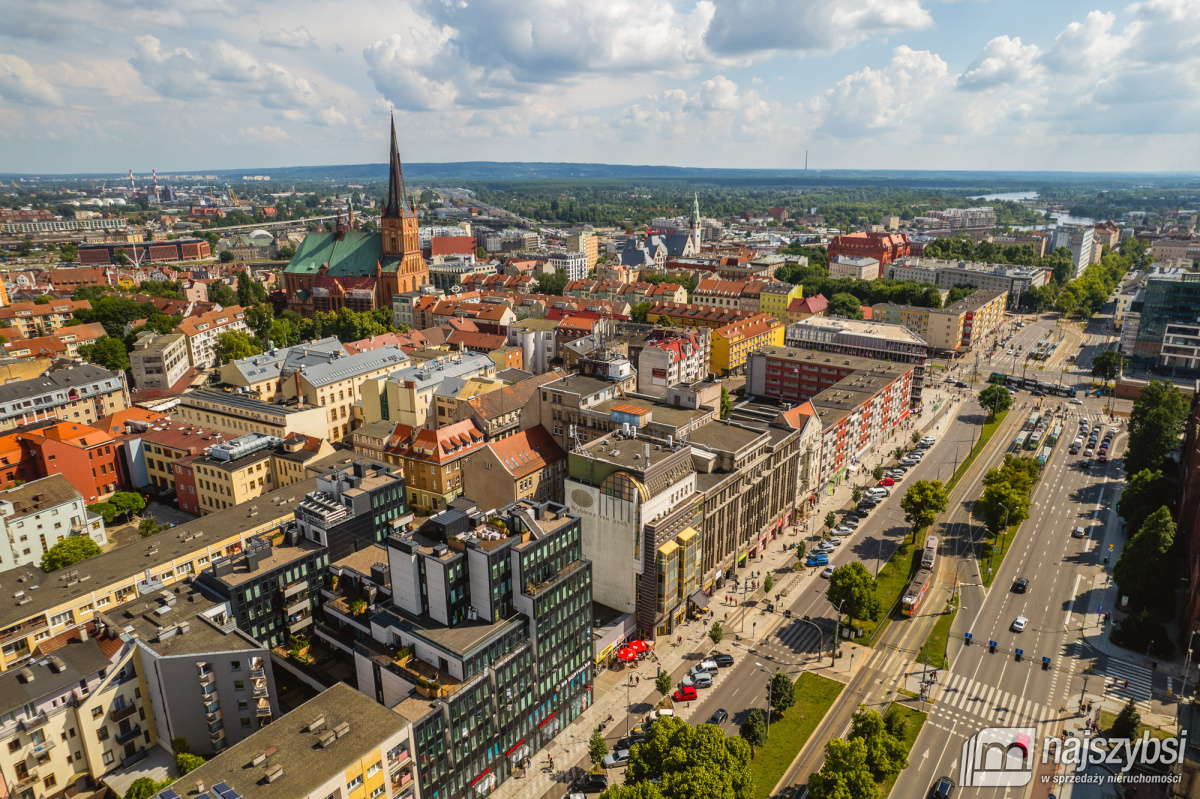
(863, 512)
(627, 743)
(590, 783)
(942, 789)
(1021, 585)
(720, 717)
(722, 659)
(960, 384)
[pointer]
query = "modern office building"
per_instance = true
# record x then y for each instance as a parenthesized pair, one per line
(486, 644)
(354, 508)
(158, 361)
(1170, 300)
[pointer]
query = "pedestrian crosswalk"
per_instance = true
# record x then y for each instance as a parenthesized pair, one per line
(959, 696)
(799, 636)
(1128, 681)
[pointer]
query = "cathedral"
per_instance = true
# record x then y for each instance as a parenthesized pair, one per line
(348, 268)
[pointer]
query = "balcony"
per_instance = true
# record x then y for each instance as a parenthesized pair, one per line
(298, 607)
(207, 678)
(216, 735)
(123, 713)
(36, 749)
(294, 589)
(299, 624)
(126, 737)
(32, 723)
(213, 715)
(262, 710)
(259, 691)
(25, 782)
(24, 632)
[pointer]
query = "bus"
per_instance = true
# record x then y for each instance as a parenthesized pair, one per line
(916, 591)
(929, 556)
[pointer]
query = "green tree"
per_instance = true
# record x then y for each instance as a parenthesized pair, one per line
(1107, 365)
(996, 399)
(662, 683)
(1144, 493)
(259, 318)
(852, 588)
(689, 761)
(482, 254)
(783, 693)
(885, 753)
(768, 583)
(915, 437)
(845, 304)
(726, 403)
(186, 763)
(1039, 298)
(68, 552)
(878, 472)
(597, 748)
(1155, 426)
(107, 352)
(1066, 303)
(357, 607)
(226, 257)
(105, 510)
(149, 526)
(845, 773)
(249, 291)
(127, 503)
(898, 453)
(922, 503)
(716, 633)
(754, 728)
(1126, 723)
(830, 520)
(1001, 506)
(856, 494)
(641, 790)
(121, 256)
(234, 345)
(1145, 569)
(285, 253)
(180, 745)
(221, 294)
(68, 253)
(552, 283)
(637, 313)
(145, 788)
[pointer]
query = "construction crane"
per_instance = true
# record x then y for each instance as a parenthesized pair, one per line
(233, 200)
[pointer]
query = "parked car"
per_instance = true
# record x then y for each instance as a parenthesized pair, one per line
(723, 659)
(1076, 401)
(908, 461)
(887, 481)
(617, 759)
(1103, 456)
(708, 664)
(700, 680)
(861, 512)
(824, 546)
(684, 694)
(590, 783)
(655, 715)
(828, 572)
(842, 530)
(850, 520)
(835, 540)
(817, 559)
(719, 717)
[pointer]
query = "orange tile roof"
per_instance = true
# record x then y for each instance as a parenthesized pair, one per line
(72, 433)
(527, 452)
(191, 325)
(757, 325)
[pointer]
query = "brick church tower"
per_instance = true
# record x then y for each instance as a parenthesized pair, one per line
(398, 227)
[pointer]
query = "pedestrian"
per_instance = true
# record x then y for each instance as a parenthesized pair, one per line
(1127, 685)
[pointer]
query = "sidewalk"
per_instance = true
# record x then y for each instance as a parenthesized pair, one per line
(569, 748)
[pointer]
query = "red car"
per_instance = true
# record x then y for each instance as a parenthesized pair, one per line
(887, 481)
(1103, 457)
(685, 694)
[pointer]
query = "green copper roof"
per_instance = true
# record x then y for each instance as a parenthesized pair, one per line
(357, 254)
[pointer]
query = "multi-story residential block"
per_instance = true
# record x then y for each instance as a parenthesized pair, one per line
(1167, 302)
(860, 268)
(1039, 243)
(815, 305)
(37, 515)
(202, 331)
(206, 681)
(524, 466)
(953, 328)
(563, 402)
(432, 460)
(339, 743)
(354, 507)
(1013, 280)
(585, 242)
(336, 384)
(538, 341)
(263, 374)
(80, 393)
(485, 606)
(883, 247)
(452, 394)
(446, 274)
(149, 449)
(671, 358)
(408, 394)
(735, 295)
(64, 342)
(732, 343)
(775, 297)
(573, 264)
(694, 315)
(229, 473)
(158, 361)
(981, 313)
(235, 414)
(73, 713)
(86, 456)
(33, 320)
(876, 340)
(509, 410)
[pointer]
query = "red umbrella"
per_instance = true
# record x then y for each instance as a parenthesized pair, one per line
(638, 646)
(625, 653)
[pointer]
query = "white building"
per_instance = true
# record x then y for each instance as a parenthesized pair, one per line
(575, 264)
(202, 332)
(37, 515)
(857, 268)
(538, 341)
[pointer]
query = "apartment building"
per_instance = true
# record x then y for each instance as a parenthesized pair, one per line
(855, 268)
(158, 361)
(262, 374)
(64, 342)
(732, 343)
(80, 393)
(335, 385)
(671, 358)
(74, 595)
(432, 460)
(1013, 280)
(86, 456)
(340, 743)
(585, 242)
(229, 473)
(562, 404)
(235, 414)
(981, 312)
(33, 320)
(692, 315)
(734, 295)
(883, 342)
(354, 507)
(205, 680)
(201, 332)
(953, 328)
(451, 395)
(37, 515)
(508, 410)
(484, 605)
(524, 466)
(408, 394)
(73, 713)
(815, 305)
(573, 264)
(882, 247)
(149, 449)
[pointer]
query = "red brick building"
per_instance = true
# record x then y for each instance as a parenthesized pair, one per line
(883, 247)
(85, 455)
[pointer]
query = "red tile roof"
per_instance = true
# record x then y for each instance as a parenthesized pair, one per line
(527, 452)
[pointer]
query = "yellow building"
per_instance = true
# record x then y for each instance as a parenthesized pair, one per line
(730, 344)
(409, 395)
(586, 243)
(340, 743)
(774, 299)
(245, 468)
(236, 414)
(451, 396)
(335, 385)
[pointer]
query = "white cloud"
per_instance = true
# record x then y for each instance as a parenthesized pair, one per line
(298, 39)
(875, 100)
(717, 111)
(20, 83)
(754, 26)
(1004, 61)
(266, 134)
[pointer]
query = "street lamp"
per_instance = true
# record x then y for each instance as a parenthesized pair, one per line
(764, 671)
(1004, 530)
(1187, 664)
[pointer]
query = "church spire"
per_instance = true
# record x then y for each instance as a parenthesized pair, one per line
(397, 199)
(696, 210)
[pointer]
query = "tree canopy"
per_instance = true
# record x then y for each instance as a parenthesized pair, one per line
(234, 345)
(552, 283)
(1155, 426)
(922, 503)
(692, 762)
(852, 588)
(1145, 570)
(108, 352)
(885, 752)
(68, 552)
(1145, 492)
(996, 399)
(845, 774)
(1107, 365)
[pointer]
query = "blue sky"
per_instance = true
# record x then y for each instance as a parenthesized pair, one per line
(108, 85)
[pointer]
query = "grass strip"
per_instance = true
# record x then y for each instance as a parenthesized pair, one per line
(814, 696)
(892, 580)
(935, 645)
(915, 719)
(989, 559)
(1107, 719)
(989, 428)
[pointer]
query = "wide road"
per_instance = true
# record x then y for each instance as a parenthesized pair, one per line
(984, 689)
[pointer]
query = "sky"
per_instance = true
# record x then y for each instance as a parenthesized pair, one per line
(111, 85)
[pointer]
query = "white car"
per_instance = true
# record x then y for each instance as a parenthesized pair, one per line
(1019, 623)
(655, 715)
(825, 546)
(1076, 401)
(842, 529)
(828, 572)
(1008, 352)
(850, 521)
(833, 539)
